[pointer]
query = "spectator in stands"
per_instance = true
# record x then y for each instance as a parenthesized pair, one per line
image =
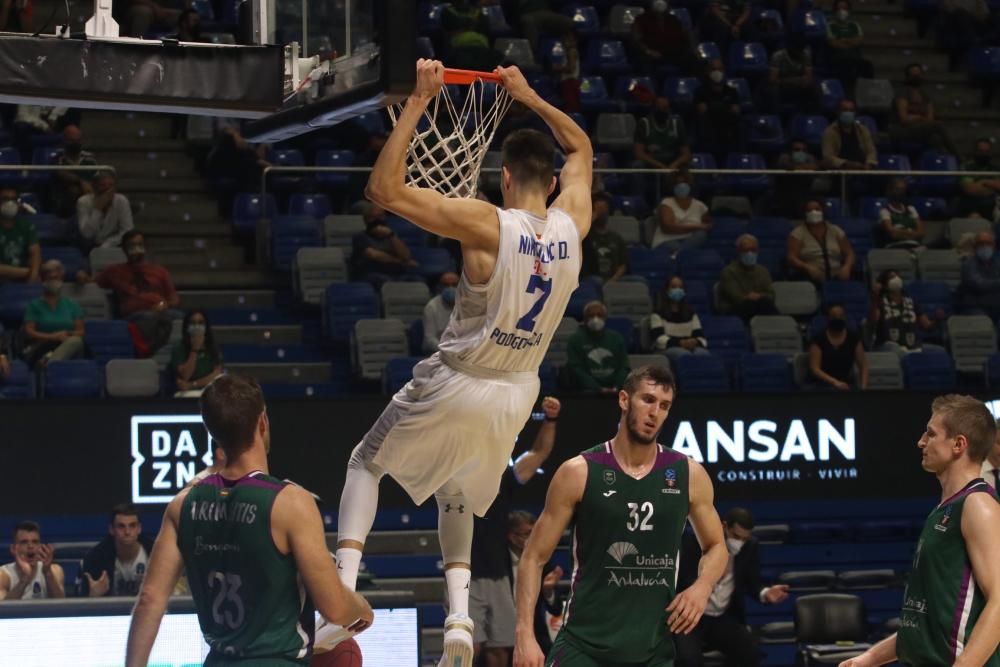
(378, 253)
(661, 142)
(568, 73)
(496, 546)
(144, 291)
(961, 25)
(683, 222)
(980, 194)
(33, 121)
(675, 328)
(604, 254)
(189, 26)
(914, 122)
(835, 352)
(899, 222)
(137, 17)
(234, 158)
(847, 143)
(900, 324)
(723, 627)
(32, 575)
(468, 42)
(843, 43)
(437, 312)
(819, 250)
(519, 527)
(196, 360)
(17, 16)
(745, 287)
(660, 39)
(117, 564)
(790, 193)
(597, 358)
(790, 79)
(53, 323)
(980, 286)
(717, 109)
(20, 254)
(727, 21)
(69, 186)
(104, 215)
(538, 17)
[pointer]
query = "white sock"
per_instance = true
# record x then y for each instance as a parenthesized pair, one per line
(458, 579)
(348, 564)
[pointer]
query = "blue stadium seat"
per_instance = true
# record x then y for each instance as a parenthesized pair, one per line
(931, 208)
(860, 232)
(625, 87)
(747, 59)
(727, 337)
(984, 63)
(624, 327)
(585, 292)
(43, 155)
(771, 26)
(834, 208)
(653, 265)
(680, 91)
(594, 95)
(831, 91)
(425, 48)
(633, 205)
(742, 88)
(498, 25)
(606, 56)
(937, 185)
(724, 233)
(810, 23)
(542, 84)
(766, 373)
(249, 207)
(19, 383)
(108, 339)
(429, 17)
(77, 378)
(71, 258)
(579, 119)
(204, 9)
(764, 133)
(312, 205)
(585, 20)
(932, 296)
(683, 15)
(372, 122)
(346, 303)
(894, 162)
(852, 295)
(929, 371)
(288, 234)
(432, 262)
(548, 376)
(703, 161)
(708, 51)
(751, 183)
(334, 158)
(870, 207)
(771, 233)
(14, 298)
(701, 374)
(11, 156)
(286, 157)
(31, 199)
(808, 129)
(698, 294)
(872, 128)
(252, 353)
(699, 264)
(49, 227)
(409, 233)
(397, 373)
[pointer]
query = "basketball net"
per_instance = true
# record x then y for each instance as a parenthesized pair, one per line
(447, 150)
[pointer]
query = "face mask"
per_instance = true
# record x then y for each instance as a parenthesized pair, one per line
(734, 546)
(846, 117)
(715, 75)
(682, 190)
(135, 253)
(595, 324)
(842, 14)
(800, 157)
(196, 329)
(983, 160)
(985, 252)
(661, 116)
(749, 259)
(659, 6)
(915, 81)
(814, 217)
(52, 286)
(9, 209)
(72, 149)
(676, 294)
(895, 284)
(448, 295)
(837, 325)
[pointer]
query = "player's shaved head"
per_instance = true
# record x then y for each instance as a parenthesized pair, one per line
(529, 156)
(231, 408)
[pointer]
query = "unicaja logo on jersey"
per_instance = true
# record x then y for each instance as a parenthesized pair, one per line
(637, 570)
(619, 550)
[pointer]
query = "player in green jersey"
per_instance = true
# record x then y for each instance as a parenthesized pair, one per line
(628, 501)
(951, 605)
(252, 546)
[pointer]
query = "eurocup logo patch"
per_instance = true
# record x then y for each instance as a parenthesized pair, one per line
(167, 452)
(670, 481)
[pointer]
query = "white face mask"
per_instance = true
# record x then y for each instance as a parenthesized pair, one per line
(595, 324)
(895, 284)
(842, 14)
(814, 217)
(659, 6)
(715, 75)
(734, 545)
(9, 209)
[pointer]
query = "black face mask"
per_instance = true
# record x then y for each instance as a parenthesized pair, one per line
(914, 81)
(661, 116)
(837, 325)
(983, 160)
(73, 149)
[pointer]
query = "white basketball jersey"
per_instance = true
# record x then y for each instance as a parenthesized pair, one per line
(36, 590)
(508, 323)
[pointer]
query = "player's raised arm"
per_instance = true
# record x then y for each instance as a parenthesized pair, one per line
(165, 566)
(687, 608)
(576, 176)
(470, 221)
(564, 494)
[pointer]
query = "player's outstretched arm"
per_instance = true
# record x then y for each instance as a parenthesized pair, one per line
(471, 221)
(165, 566)
(577, 174)
(296, 518)
(980, 518)
(688, 606)
(564, 494)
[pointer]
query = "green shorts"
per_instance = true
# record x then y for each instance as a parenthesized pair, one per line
(565, 653)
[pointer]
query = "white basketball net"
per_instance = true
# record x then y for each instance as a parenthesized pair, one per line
(449, 152)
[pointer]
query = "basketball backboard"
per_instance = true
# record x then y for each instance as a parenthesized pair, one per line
(342, 59)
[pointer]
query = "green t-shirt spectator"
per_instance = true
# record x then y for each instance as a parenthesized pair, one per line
(662, 141)
(15, 241)
(205, 361)
(836, 29)
(597, 360)
(603, 253)
(52, 320)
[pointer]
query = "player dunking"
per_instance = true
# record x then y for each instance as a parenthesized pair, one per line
(252, 547)
(628, 500)
(450, 431)
(951, 605)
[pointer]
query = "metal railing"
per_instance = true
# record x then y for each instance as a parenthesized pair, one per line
(58, 167)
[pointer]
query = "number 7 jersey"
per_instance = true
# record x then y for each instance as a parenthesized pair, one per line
(507, 323)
